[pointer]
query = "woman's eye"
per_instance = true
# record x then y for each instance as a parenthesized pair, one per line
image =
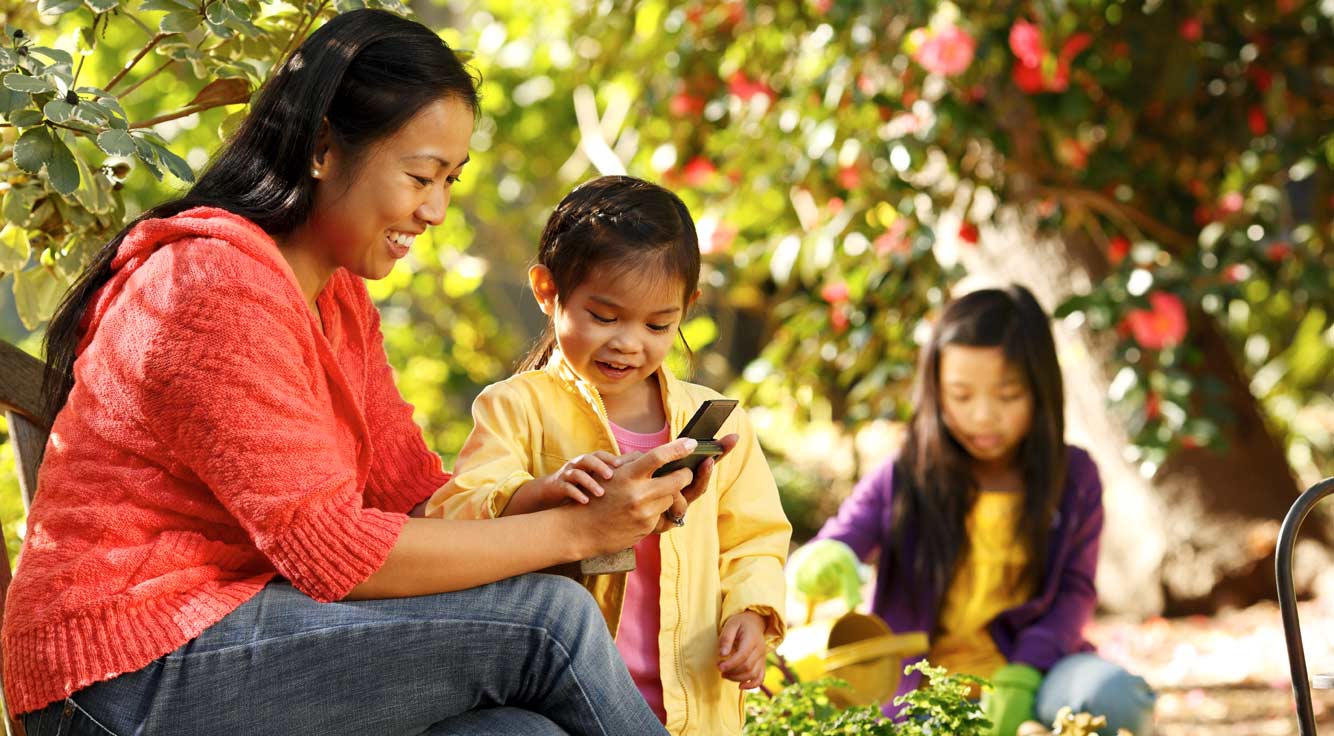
(452, 179)
(600, 318)
(421, 180)
(659, 328)
(1013, 397)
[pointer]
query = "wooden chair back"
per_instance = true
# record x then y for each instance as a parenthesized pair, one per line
(21, 401)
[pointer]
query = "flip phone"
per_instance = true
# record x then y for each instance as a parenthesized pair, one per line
(702, 427)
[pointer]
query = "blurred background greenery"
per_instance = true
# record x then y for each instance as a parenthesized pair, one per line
(1160, 173)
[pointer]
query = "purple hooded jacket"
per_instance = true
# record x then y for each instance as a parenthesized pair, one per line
(1039, 632)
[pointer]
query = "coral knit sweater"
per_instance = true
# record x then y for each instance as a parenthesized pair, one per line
(219, 434)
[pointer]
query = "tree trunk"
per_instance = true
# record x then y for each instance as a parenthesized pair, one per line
(1198, 535)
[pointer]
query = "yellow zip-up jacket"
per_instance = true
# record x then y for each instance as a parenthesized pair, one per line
(728, 558)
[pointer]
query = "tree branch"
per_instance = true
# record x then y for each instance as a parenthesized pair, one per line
(142, 53)
(150, 75)
(1101, 203)
(191, 110)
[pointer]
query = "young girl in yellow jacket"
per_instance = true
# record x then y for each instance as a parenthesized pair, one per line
(618, 267)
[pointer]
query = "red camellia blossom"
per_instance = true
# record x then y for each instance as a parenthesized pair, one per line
(747, 89)
(1278, 251)
(686, 105)
(1030, 51)
(1236, 273)
(1256, 121)
(1161, 326)
(1191, 29)
(1117, 249)
(968, 233)
(838, 318)
(835, 292)
(698, 171)
(849, 177)
(947, 52)
(720, 241)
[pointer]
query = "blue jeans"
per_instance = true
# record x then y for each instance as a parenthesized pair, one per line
(1088, 683)
(529, 655)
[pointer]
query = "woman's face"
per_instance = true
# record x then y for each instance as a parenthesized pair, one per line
(367, 213)
(985, 401)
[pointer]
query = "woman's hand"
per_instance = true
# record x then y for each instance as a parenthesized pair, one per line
(634, 501)
(741, 649)
(696, 488)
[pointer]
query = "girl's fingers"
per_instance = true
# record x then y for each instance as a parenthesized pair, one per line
(580, 479)
(612, 461)
(727, 637)
(573, 492)
(594, 464)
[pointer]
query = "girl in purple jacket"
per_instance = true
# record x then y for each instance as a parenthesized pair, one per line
(987, 523)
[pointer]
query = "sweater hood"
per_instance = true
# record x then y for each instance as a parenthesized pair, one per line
(148, 236)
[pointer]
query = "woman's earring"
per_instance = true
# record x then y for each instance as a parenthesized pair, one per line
(314, 173)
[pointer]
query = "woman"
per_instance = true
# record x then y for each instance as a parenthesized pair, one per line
(221, 540)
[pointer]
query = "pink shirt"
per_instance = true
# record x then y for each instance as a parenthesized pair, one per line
(637, 636)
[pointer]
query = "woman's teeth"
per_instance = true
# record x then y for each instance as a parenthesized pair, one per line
(403, 239)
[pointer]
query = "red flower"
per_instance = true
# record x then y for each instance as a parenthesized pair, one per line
(968, 233)
(698, 171)
(1236, 273)
(838, 318)
(1262, 78)
(1255, 120)
(1163, 325)
(686, 105)
(1026, 43)
(720, 241)
(1191, 29)
(1278, 251)
(835, 292)
(1230, 203)
(849, 177)
(747, 89)
(822, 6)
(1117, 249)
(947, 52)
(1030, 52)
(1151, 409)
(834, 206)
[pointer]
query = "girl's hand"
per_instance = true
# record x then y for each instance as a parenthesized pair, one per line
(741, 649)
(697, 486)
(577, 479)
(633, 501)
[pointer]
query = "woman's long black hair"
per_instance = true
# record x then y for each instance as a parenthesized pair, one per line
(365, 73)
(934, 487)
(630, 224)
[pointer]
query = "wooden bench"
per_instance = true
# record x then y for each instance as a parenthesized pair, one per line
(21, 401)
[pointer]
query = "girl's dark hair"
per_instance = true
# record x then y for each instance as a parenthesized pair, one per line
(365, 72)
(620, 221)
(934, 487)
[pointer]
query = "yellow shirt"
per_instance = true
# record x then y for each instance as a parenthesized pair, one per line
(728, 558)
(986, 582)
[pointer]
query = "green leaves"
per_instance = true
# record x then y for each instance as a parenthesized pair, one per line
(57, 7)
(39, 149)
(116, 143)
(14, 248)
(19, 82)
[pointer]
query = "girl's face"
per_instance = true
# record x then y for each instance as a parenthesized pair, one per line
(367, 213)
(614, 329)
(985, 401)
